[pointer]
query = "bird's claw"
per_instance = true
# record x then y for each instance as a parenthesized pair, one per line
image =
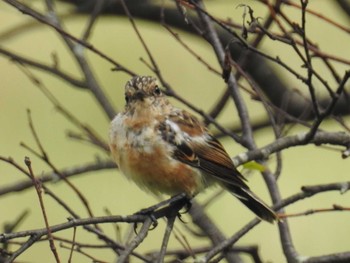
(187, 206)
(180, 200)
(150, 213)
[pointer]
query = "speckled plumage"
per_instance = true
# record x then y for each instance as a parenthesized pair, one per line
(164, 149)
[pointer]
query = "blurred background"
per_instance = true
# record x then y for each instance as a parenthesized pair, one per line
(317, 234)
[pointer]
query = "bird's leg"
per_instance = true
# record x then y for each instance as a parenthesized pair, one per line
(186, 204)
(172, 200)
(179, 201)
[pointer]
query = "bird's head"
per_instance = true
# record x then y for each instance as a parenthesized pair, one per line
(143, 92)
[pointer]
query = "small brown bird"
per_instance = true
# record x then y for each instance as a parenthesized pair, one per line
(164, 149)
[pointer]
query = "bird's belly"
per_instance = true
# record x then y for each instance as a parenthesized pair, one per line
(153, 168)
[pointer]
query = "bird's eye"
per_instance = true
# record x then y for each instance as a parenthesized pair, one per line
(157, 91)
(127, 98)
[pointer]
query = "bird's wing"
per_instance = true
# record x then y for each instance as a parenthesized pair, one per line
(195, 146)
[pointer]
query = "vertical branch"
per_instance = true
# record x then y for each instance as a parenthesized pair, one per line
(243, 61)
(310, 135)
(169, 227)
(73, 245)
(285, 236)
(211, 35)
(136, 241)
(212, 231)
(222, 246)
(78, 52)
(36, 183)
(304, 4)
(95, 12)
(155, 68)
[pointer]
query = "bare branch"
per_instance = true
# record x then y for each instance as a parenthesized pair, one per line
(52, 70)
(37, 185)
(52, 176)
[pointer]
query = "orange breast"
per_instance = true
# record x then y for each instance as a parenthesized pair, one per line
(157, 171)
(144, 157)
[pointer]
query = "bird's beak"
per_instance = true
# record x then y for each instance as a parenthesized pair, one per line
(140, 95)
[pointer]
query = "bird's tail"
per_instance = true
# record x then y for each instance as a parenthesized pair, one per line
(253, 202)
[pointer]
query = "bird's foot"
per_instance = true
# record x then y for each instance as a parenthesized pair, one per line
(156, 211)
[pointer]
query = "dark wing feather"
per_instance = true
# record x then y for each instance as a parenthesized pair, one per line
(215, 161)
(210, 156)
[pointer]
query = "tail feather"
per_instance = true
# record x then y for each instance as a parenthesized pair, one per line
(253, 202)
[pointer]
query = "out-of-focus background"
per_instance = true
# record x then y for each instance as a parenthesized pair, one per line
(317, 234)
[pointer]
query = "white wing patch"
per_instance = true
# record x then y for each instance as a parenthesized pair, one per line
(179, 135)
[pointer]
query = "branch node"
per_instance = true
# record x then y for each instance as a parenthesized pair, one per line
(344, 187)
(345, 154)
(27, 161)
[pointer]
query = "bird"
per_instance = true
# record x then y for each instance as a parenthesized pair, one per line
(167, 150)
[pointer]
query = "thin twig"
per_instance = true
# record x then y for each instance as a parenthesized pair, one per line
(110, 242)
(319, 15)
(74, 223)
(307, 192)
(92, 20)
(51, 70)
(45, 157)
(334, 208)
(329, 109)
(43, 19)
(37, 185)
(190, 50)
(80, 251)
(136, 241)
(73, 245)
(52, 176)
(308, 59)
(168, 230)
(247, 138)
